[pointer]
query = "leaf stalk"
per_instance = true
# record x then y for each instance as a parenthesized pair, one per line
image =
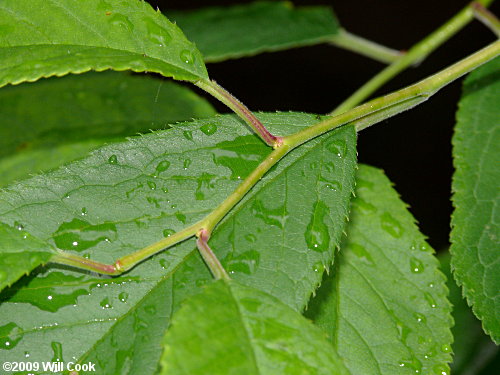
(361, 117)
(415, 55)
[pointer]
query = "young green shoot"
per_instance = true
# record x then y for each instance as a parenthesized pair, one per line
(361, 117)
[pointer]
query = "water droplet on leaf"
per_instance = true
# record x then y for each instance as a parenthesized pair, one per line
(157, 34)
(416, 266)
(105, 304)
(113, 159)
(317, 236)
(162, 166)
(209, 128)
(123, 296)
(58, 352)
(168, 232)
(121, 21)
(187, 57)
(10, 335)
(391, 225)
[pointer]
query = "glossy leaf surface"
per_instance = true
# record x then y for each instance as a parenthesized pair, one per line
(128, 195)
(21, 253)
(233, 329)
(475, 227)
(473, 350)
(54, 121)
(42, 38)
(243, 30)
(384, 305)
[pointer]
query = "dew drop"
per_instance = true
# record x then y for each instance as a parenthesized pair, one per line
(440, 370)
(163, 264)
(333, 186)
(414, 364)
(317, 236)
(113, 159)
(187, 163)
(446, 348)
(337, 147)
(105, 304)
(361, 253)
(181, 217)
(18, 226)
(430, 300)
(318, 267)
(420, 318)
(168, 232)
(416, 266)
(188, 134)
(162, 166)
(157, 34)
(121, 21)
(58, 352)
(391, 225)
(209, 128)
(246, 262)
(123, 296)
(187, 57)
(152, 185)
(10, 335)
(84, 211)
(250, 237)
(364, 205)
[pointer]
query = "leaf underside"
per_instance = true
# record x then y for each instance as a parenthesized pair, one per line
(384, 305)
(57, 120)
(223, 33)
(233, 329)
(128, 195)
(475, 228)
(42, 38)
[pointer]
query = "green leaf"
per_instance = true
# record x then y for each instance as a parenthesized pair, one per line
(131, 194)
(474, 235)
(21, 253)
(472, 348)
(244, 30)
(384, 306)
(54, 121)
(233, 329)
(42, 38)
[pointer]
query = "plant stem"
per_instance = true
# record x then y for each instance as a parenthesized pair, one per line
(240, 109)
(486, 17)
(416, 54)
(209, 257)
(362, 46)
(363, 116)
(400, 100)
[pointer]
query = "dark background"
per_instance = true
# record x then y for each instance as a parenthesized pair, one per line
(414, 148)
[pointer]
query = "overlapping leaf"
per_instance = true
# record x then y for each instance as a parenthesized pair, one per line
(21, 253)
(128, 195)
(42, 38)
(244, 30)
(475, 228)
(472, 348)
(61, 119)
(233, 329)
(384, 306)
